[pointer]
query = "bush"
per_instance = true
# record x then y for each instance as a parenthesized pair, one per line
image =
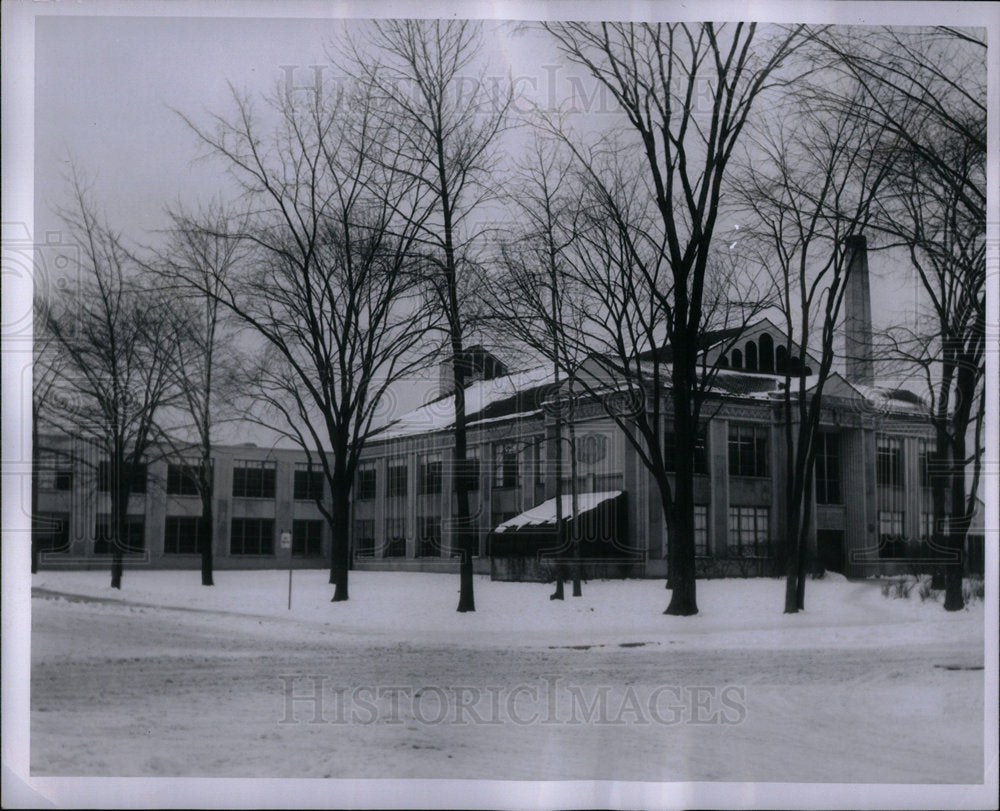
(973, 588)
(898, 588)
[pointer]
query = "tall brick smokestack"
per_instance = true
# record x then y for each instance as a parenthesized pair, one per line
(858, 313)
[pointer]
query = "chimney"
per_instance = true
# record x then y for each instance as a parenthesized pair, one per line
(860, 367)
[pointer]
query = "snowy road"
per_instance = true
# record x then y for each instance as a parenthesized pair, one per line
(138, 689)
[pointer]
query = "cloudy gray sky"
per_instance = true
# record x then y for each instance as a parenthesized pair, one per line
(106, 89)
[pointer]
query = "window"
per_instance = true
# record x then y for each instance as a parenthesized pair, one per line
(395, 534)
(828, 468)
(428, 536)
(307, 538)
(701, 530)
(539, 450)
(472, 468)
(395, 485)
(367, 481)
(54, 472)
(308, 482)
(924, 462)
(364, 538)
(747, 450)
(429, 474)
(890, 533)
(50, 532)
(252, 536)
(889, 461)
(670, 453)
(182, 480)
(749, 531)
(926, 526)
(134, 540)
(505, 471)
(253, 479)
(180, 535)
(105, 475)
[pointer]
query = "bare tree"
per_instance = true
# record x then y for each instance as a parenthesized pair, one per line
(194, 267)
(528, 303)
(685, 91)
(114, 339)
(928, 90)
(809, 191)
(330, 286)
(47, 365)
(423, 71)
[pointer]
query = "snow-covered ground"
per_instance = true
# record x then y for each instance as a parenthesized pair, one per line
(169, 678)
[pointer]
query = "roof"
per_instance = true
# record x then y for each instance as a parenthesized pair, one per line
(485, 399)
(545, 513)
(705, 341)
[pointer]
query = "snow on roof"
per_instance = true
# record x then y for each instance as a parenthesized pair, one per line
(900, 400)
(440, 414)
(545, 513)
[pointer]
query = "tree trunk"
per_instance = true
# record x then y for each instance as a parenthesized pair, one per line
(340, 553)
(205, 538)
(574, 499)
(119, 518)
(462, 521)
(958, 525)
(683, 600)
(560, 536)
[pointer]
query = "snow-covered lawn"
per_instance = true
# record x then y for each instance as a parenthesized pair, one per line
(166, 677)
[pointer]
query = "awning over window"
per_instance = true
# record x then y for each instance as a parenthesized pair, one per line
(545, 513)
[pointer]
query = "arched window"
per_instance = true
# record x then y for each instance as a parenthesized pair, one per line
(781, 359)
(751, 355)
(723, 362)
(737, 359)
(766, 353)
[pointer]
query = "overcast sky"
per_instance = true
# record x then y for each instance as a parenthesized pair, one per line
(106, 87)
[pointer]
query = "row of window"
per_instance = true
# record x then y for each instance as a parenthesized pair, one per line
(248, 536)
(748, 456)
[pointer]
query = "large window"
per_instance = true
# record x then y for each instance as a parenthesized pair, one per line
(889, 461)
(395, 484)
(749, 530)
(307, 538)
(253, 479)
(701, 530)
(50, 532)
(55, 472)
(367, 481)
(747, 450)
(395, 537)
(308, 484)
(364, 537)
(106, 475)
(505, 467)
(700, 453)
(472, 468)
(924, 462)
(134, 540)
(828, 468)
(180, 535)
(252, 536)
(182, 480)
(429, 474)
(892, 544)
(428, 536)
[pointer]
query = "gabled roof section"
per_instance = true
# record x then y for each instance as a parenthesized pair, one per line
(705, 341)
(485, 399)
